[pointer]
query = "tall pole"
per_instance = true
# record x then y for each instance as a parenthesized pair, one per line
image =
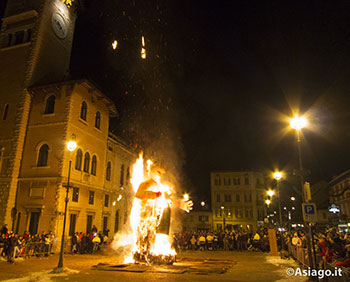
(60, 262)
(224, 223)
(309, 231)
(281, 220)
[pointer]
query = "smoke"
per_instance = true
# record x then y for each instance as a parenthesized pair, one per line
(122, 245)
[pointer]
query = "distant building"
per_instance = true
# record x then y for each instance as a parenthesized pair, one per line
(340, 190)
(40, 110)
(237, 199)
(319, 195)
(197, 220)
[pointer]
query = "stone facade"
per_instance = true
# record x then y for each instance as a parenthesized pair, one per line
(35, 47)
(197, 220)
(237, 199)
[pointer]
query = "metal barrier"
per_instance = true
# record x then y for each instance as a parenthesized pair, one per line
(300, 254)
(35, 249)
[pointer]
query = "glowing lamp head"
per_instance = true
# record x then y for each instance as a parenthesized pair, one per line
(222, 207)
(268, 202)
(202, 204)
(270, 193)
(277, 175)
(292, 198)
(72, 144)
(297, 122)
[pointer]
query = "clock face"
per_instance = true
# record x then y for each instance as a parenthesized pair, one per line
(59, 25)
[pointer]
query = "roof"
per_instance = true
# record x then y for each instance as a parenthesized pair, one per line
(86, 83)
(339, 178)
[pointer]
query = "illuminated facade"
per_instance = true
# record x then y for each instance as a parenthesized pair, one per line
(237, 199)
(340, 189)
(40, 110)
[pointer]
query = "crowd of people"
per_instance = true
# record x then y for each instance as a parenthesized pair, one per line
(88, 243)
(28, 245)
(223, 240)
(331, 246)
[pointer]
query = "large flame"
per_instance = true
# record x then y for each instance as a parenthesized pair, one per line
(146, 215)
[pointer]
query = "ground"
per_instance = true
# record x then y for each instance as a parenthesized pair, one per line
(241, 266)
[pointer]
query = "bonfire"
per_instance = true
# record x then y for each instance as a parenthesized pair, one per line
(151, 214)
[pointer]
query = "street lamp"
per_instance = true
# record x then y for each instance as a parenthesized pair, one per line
(202, 204)
(298, 123)
(278, 176)
(71, 146)
(223, 215)
(270, 193)
(292, 198)
(267, 202)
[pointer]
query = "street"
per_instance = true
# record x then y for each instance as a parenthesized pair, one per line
(244, 266)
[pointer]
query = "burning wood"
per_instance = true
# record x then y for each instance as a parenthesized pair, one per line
(151, 214)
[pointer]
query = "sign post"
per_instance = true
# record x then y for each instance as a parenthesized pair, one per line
(309, 212)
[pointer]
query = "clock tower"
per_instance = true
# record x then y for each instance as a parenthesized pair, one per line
(35, 47)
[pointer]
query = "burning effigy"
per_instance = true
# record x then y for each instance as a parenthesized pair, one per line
(150, 216)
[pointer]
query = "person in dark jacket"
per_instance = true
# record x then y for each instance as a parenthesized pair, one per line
(11, 244)
(74, 247)
(4, 230)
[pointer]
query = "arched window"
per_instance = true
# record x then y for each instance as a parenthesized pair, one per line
(108, 171)
(50, 105)
(43, 155)
(122, 175)
(78, 159)
(93, 165)
(86, 162)
(83, 110)
(97, 120)
(6, 110)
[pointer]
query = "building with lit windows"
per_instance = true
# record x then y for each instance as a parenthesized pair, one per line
(340, 190)
(40, 110)
(237, 199)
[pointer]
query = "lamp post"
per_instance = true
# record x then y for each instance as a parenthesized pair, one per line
(298, 123)
(223, 215)
(71, 146)
(278, 176)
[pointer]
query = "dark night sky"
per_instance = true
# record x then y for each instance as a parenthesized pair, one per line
(256, 62)
(244, 66)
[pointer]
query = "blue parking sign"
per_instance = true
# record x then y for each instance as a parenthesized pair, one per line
(309, 212)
